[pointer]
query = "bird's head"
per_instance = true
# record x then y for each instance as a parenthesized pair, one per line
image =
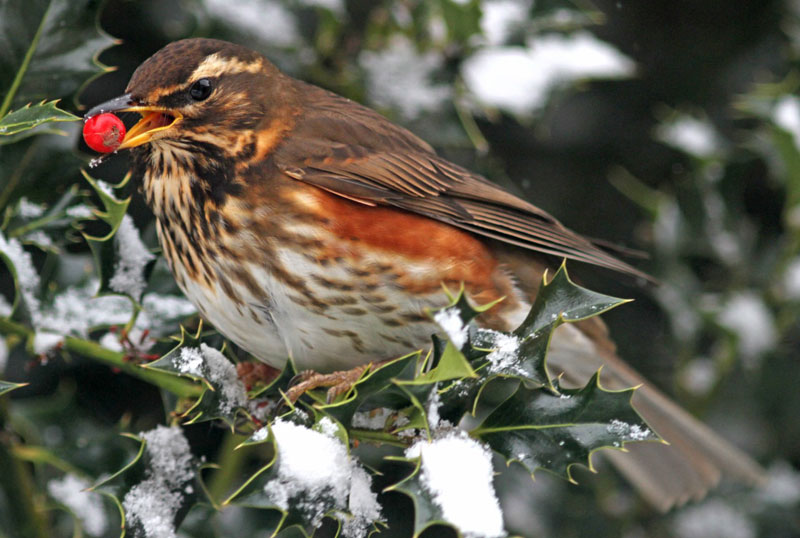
(203, 91)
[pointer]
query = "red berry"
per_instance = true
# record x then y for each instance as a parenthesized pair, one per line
(104, 132)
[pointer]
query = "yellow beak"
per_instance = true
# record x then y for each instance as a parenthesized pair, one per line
(154, 119)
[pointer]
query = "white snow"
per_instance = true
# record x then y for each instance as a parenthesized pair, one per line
(450, 321)
(713, 519)
(327, 426)
(457, 472)
(786, 115)
(27, 277)
(80, 211)
(5, 306)
(520, 79)
(690, 135)
(87, 506)
(791, 280)
(400, 77)
(699, 376)
(212, 365)
(746, 315)
(500, 17)
(632, 432)
(29, 210)
(505, 355)
(432, 410)
(38, 237)
(268, 22)
(45, 342)
(154, 502)
(3, 355)
(133, 256)
(783, 485)
(315, 472)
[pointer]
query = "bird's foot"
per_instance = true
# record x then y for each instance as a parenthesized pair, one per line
(338, 382)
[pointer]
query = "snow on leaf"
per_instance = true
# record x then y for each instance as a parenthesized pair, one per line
(73, 492)
(453, 483)
(312, 476)
(132, 257)
(224, 393)
(26, 278)
(161, 484)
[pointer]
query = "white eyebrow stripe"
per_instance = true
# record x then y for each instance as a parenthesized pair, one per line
(215, 65)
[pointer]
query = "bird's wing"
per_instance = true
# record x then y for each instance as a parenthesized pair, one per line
(352, 151)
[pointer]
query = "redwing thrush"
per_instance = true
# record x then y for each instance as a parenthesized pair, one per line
(303, 224)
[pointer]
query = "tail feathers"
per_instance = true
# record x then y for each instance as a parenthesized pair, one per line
(666, 475)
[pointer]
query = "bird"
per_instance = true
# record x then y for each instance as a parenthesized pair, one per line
(304, 225)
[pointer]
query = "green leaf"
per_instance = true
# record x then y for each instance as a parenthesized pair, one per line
(561, 300)
(50, 49)
(297, 505)
(162, 481)
(224, 394)
(31, 116)
(6, 386)
(553, 431)
(426, 512)
(376, 382)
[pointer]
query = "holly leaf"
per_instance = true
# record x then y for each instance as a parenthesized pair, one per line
(106, 250)
(561, 300)
(426, 512)
(31, 116)
(224, 394)
(50, 49)
(543, 429)
(7, 386)
(298, 503)
(156, 490)
(375, 383)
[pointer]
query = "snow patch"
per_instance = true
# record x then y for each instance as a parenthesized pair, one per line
(501, 17)
(268, 22)
(154, 502)
(791, 280)
(457, 472)
(520, 79)
(45, 342)
(400, 77)
(449, 319)
(87, 506)
(27, 277)
(713, 519)
(29, 210)
(133, 257)
(211, 364)
(746, 315)
(632, 432)
(786, 115)
(505, 356)
(315, 472)
(690, 135)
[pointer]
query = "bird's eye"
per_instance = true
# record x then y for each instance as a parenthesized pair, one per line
(200, 90)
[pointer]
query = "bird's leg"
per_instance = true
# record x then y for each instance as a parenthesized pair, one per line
(338, 382)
